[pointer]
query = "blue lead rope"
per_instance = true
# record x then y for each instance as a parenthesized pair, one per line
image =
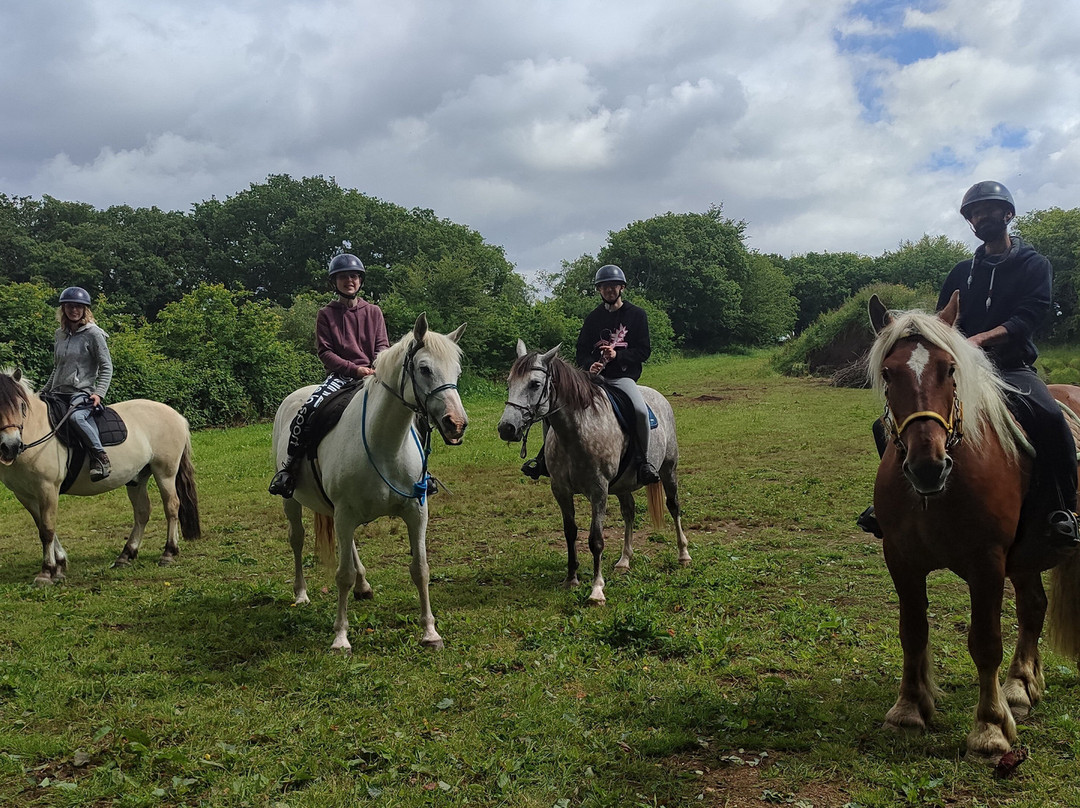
(420, 487)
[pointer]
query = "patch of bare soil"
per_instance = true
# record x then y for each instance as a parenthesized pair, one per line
(736, 779)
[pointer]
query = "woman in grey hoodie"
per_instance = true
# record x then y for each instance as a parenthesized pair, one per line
(82, 370)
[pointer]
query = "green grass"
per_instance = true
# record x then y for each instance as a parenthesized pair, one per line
(757, 676)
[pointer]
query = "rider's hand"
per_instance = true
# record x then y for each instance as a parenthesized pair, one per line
(607, 352)
(95, 400)
(596, 367)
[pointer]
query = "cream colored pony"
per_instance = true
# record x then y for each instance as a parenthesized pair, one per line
(33, 464)
(374, 463)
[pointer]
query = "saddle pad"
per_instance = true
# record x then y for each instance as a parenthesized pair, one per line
(111, 426)
(620, 403)
(326, 416)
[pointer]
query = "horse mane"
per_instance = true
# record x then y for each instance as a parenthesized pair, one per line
(12, 392)
(978, 384)
(572, 387)
(443, 349)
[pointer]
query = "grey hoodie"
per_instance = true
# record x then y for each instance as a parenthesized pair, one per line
(81, 362)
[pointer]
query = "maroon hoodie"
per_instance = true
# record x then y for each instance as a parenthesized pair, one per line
(349, 338)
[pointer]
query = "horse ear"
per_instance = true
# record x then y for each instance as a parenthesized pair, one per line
(952, 308)
(455, 335)
(545, 358)
(420, 329)
(17, 375)
(879, 315)
(521, 349)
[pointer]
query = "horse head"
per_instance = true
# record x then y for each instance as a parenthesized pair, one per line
(14, 406)
(529, 392)
(916, 372)
(432, 362)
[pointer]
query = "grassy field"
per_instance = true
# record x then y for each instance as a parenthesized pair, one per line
(757, 676)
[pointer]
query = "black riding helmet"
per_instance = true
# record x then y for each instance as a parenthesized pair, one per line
(986, 191)
(75, 294)
(347, 262)
(609, 273)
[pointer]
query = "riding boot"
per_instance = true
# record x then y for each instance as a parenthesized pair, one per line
(284, 482)
(537, 467)
(867, 520)
(646, 474)
(100, 468)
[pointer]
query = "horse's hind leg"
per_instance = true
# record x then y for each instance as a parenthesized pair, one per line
(294, 512)
(596, 545)
(915, 704)
(626, 506)
(140, 508)
(669, 477)
(566, 505)
(170, 503)
(1024, 682)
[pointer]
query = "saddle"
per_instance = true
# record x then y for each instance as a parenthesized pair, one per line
(624, 414)
(111, 428)
(326, 416)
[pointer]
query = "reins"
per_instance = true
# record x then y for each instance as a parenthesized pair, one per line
(48, 435)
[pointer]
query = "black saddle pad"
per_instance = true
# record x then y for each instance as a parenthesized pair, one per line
(620, 403)
(326, 416)
(110, 425)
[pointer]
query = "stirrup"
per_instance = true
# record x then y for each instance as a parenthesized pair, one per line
(100, 467)
(867, 520)
(283, 484)
(535, 468)
(1062, 529)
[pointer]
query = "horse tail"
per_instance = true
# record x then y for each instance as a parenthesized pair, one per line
(1063, 633)
(654, 493)
(190, 525)
(325, 539)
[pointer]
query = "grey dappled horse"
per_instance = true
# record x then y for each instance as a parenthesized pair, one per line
(373, 463)
(33, 464)
(583, 448)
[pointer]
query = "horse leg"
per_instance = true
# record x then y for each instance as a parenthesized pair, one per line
(1024, 682)
(626, 506)
(140, 507)
(294, 512)
(416, 519)
(170, 503)
(346, 578)
(995, 729)
(596, 545)
(569, 525)
(361, 589)
(915, 704)
(669, 477)
(53, 557)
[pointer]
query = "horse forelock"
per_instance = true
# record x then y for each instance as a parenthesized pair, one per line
(13, 393)
(441, 348)
(978, 385)
(523, 365)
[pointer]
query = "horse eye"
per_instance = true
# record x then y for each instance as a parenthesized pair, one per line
(425, 370)
(952, 370)
(534, 384)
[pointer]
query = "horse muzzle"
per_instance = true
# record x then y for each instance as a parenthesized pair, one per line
(509, 432)
(10, 449)
(928, 477)
(452, 429)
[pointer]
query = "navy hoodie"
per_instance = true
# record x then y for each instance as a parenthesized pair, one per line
(1013, 290)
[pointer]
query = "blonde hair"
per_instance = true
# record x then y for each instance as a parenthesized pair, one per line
(70, 327)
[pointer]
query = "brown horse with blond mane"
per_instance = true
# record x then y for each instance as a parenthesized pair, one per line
(949, 495)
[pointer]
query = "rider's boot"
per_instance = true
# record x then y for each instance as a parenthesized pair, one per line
(867, 520)
(1062, 531)
(647, 474)
(100, 468)
(537, 467)
(284, 482)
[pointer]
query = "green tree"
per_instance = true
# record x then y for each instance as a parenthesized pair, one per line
(1056, 234)
(822, 281)
(27, 328)
(922, 263)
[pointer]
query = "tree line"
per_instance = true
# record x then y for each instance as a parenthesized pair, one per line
(213, 310)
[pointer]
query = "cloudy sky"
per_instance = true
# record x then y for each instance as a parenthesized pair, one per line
(545, 124)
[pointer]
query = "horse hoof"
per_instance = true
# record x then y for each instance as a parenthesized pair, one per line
(165, 561)
(121, 562)
(436, 644)
(343, 650)
(597, 601)
(302, 600)
(623, 569)
(364, 594)
(43, 580)
(684, 562)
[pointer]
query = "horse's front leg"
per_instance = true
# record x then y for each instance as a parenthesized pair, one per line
(140, 508)
(569, 524)
(53, 557)
(596, 545)
(995, 729)
(914, 706)
(294, 512)
(417, 519)
(345, 578)
(1024, 682)
(626, 506)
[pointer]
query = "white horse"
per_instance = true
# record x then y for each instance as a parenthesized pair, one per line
(584, 446)
(374, 463)
(33, 464)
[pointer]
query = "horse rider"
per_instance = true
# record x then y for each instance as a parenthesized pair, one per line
(1005, 295)
(349, 333)
(82, 371)
(613, 344)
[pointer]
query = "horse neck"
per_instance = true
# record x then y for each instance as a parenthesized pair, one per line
(384, 409)
(569, 424)
(37, 419)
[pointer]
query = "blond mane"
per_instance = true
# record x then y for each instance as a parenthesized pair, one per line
(980, 388)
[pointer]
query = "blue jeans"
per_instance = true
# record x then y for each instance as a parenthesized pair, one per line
(83, 418)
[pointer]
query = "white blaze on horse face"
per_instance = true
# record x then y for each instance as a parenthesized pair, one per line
(918, 361)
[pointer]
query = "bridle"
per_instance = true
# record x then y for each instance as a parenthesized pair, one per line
(531, 412)
(419, 405)
(47, 436)
(953, 425)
